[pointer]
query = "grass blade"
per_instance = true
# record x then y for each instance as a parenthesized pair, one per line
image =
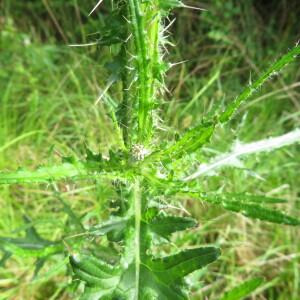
(243, 290)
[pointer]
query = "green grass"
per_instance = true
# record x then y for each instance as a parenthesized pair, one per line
(47, 107)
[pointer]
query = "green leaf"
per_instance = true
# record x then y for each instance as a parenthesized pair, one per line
(113, 224)
(252, 88)
(32, 245)
(71, 168)
(171, 268)
(101, 278)
(114, 31)
(166, 225)
(256, 211)
(40, 262)
(94, 271)
(45, 174)
(247, 206)
(5, 257)
(167, 5)
(251, 206)
(68, 210)
(243, 290)
(58, 268)
(195, 138)
(190, 142)
(249, 198)
(159, 278)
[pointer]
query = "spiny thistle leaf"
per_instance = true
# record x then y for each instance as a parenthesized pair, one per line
(167, 5)
(248, 207)
(250, 198)
(179, 265)
(32, 245)
(247, 92)
(113, 224)
(93, 270)
(45, 174)
(113, 31)
(243, 290)
(195, 138)
(160, 277)
(137, 274)
(166, 225)
(191, 141)
(256, 211)
(161, 225)
(71, 168)
(73, 219)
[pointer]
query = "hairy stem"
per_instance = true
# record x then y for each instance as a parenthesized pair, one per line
(145, 25)
(126, 109)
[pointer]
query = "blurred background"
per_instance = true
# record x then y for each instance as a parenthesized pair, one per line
(48, 92)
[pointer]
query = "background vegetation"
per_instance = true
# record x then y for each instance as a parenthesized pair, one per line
(47, 109)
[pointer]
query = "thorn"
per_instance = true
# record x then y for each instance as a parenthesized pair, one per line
(83, 45)
(129, 68)
(104, 91)
(99, 2)
(69, 249)
(169, 25)
(167, 90)
(193, 7)
(178, 63)
(128, 21)
(166, 49)
(129, 37)
(250, 79)
(130, 85)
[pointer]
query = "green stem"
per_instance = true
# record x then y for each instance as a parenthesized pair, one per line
(125, 106)
(145, 27)
(138, 212)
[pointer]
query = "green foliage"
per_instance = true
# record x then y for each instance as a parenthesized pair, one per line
(166, 225)
(248, 92)
(32, 245)
(243, 290)
(45, 174)
(169, 4)
(191, 141)
(126, 267)
(250, 206)
(158, 278)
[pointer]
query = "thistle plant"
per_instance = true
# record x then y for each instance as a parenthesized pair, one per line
(121, 262)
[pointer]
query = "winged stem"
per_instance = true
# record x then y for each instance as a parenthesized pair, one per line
(145, 20)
